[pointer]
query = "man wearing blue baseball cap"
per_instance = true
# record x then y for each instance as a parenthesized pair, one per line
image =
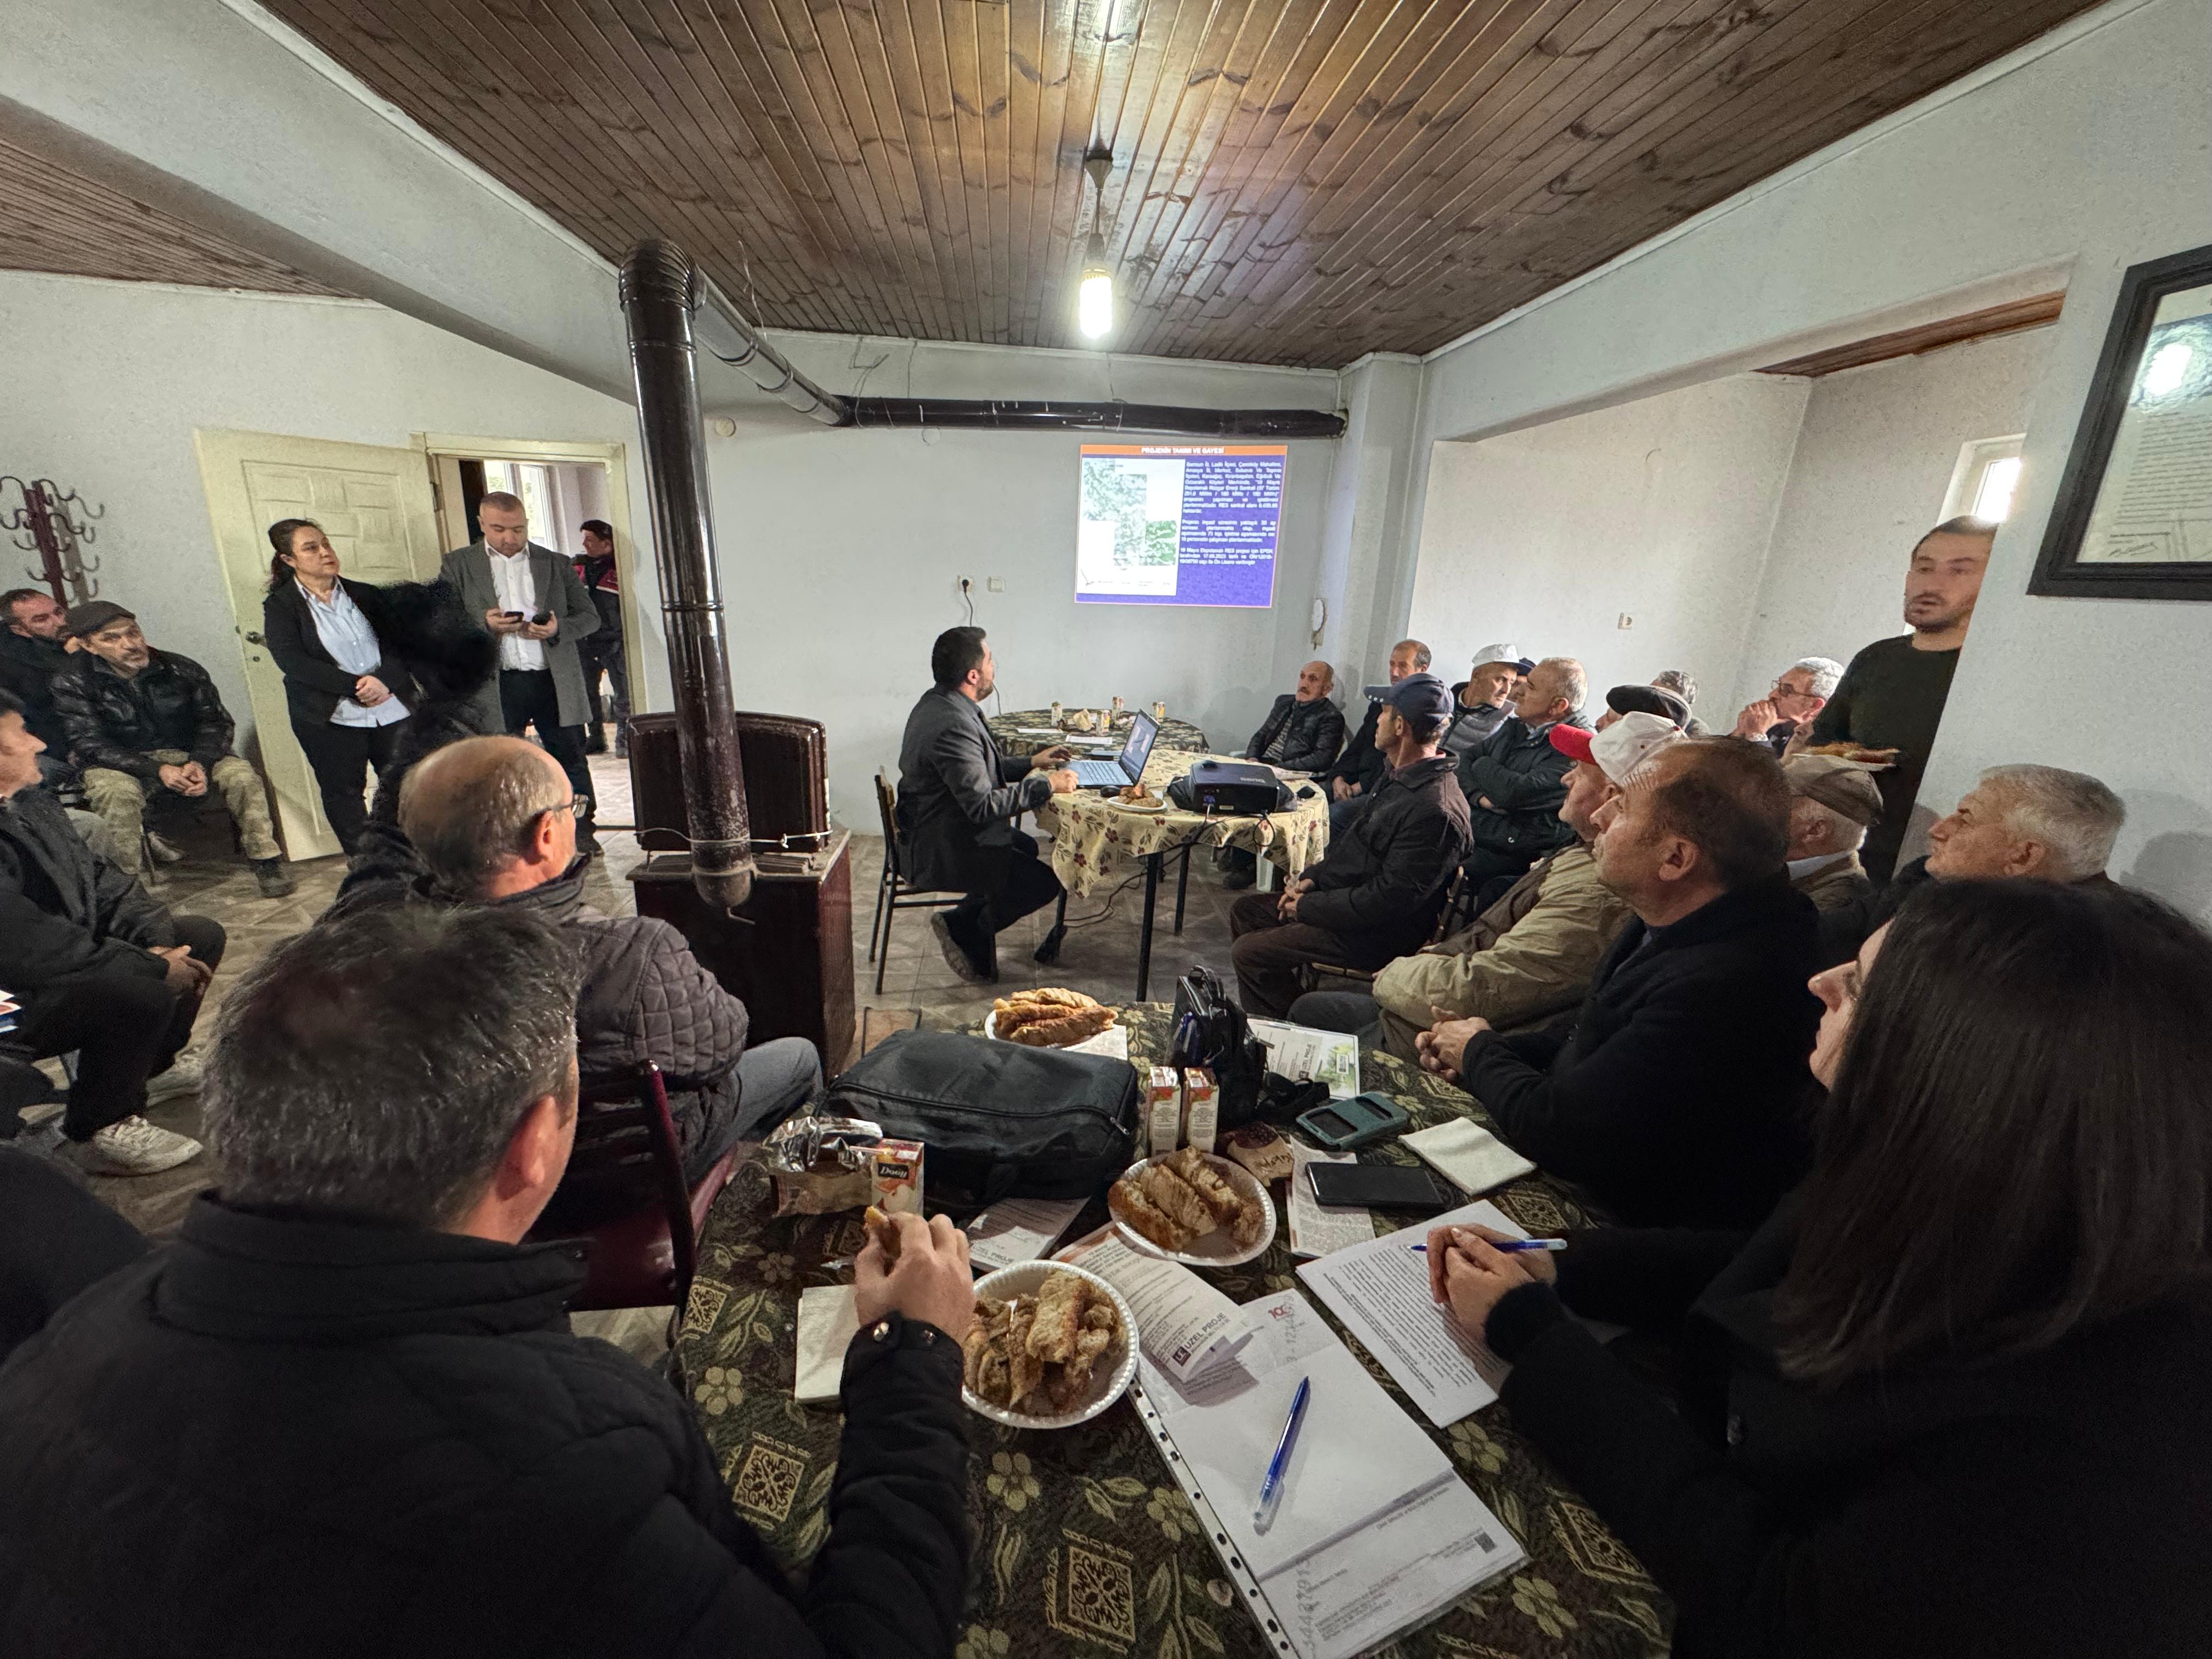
(1374, 897)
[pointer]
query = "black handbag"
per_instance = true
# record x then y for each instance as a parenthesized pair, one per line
(1210, 1031)
(999, 1120)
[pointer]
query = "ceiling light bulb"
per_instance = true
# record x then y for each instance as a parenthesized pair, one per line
(1094, 300)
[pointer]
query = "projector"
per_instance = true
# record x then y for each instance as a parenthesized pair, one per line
(1235, 788)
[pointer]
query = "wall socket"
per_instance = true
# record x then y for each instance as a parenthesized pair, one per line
(1627, 621)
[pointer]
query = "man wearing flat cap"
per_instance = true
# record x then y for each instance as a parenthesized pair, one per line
(1377, 895)
(1644, 699)
(1832, 804)
(146, 724)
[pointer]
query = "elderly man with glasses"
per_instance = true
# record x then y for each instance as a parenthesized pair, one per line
(1800, 692)
(492, 821)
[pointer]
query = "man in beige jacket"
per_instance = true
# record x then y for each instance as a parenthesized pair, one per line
(1530, 956)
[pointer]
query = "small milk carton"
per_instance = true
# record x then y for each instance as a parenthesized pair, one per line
(1163, 1111)
(894, 1170)
(1200, 1110)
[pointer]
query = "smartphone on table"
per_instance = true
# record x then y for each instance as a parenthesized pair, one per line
(1379, 1187)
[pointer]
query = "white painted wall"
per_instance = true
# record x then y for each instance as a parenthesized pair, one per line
(2087, 152)
(841, 558)
(132, 368)
(1874, 459)
(1661, 508)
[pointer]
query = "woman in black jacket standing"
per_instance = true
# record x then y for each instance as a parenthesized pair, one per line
(340, 681)
(1950, 1399)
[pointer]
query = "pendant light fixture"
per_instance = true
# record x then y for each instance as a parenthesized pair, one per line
(1094, 299)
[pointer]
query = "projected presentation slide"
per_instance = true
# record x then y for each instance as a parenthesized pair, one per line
(1179, 524)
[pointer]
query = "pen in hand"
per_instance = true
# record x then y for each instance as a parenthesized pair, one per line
(1515, 1246)
(1278, 1466)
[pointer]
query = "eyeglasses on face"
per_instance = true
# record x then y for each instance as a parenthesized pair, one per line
(576, 806)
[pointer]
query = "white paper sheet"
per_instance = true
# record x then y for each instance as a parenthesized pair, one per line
(1319, 1229)
(1379, 1290)
(1184, 1325)
(1018, 1230)
(1299, 1052)
(827, 1324)
(1468, 1155)
(1399, 1572)
(1356, 1453)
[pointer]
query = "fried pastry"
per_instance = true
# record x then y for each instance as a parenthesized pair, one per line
(1059, 1319)
(1003, 1355)
(1140, 1214)
(1231, 1209)
(1075, 1026)
(883, 1231)
(1177, 1201)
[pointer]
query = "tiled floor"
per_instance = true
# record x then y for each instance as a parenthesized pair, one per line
(1099, 954)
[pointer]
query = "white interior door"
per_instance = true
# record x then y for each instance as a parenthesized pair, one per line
(375, 505)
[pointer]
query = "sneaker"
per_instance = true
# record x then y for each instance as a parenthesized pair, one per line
(180, 1079)
(269, 874)
(957, 958)
(132, 1147)
(164, 852)
(622, 743)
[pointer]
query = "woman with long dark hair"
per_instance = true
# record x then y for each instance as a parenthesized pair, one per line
(341, 684)
(1951, 1399)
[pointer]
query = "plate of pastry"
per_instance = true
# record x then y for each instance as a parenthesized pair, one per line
(1052, 1347)
(1193, 1206)
(1050, 1018)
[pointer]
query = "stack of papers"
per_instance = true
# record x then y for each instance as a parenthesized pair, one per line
(1379, 1290)
(1375, 1531)
(1300, 1052)
(1016, 1230)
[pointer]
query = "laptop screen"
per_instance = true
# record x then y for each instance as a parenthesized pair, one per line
(1139, 749)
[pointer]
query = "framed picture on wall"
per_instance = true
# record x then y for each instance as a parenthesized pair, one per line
(2133, 520)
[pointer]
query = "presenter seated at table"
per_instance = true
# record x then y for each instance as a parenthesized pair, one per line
(1302, 734)
(343, 1409)
(1673, 1093)
(1377, 894)
(1528, 958)
(958, 797)
(1950, 1399)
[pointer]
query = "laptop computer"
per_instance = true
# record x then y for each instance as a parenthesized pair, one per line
(1126, 768)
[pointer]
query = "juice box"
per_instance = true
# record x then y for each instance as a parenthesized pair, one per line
(1164, 1110)
(895, 1173)
(1201, 1109)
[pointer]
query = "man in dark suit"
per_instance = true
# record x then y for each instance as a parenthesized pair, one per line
(958, 799)
(602, 652)
(511, 582)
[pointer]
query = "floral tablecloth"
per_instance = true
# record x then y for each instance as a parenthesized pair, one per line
(1094, 838)
(1013, 732)
(1084, 1545)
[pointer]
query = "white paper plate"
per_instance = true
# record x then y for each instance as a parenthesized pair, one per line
(1113, 1041)
(1218, 1248)
(1110, 1374)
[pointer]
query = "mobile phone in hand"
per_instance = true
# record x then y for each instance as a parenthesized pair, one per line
(540, 619)
(512, 616)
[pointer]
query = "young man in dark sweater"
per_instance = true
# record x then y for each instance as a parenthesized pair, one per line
(1892, 695)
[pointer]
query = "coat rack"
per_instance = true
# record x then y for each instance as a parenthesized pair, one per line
(55, 524)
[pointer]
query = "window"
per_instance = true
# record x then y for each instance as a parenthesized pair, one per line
(1985, 479)
(532, 484)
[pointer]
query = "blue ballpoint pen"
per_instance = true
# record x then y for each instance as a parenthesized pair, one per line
(1270, 1489)
(1514, 1247)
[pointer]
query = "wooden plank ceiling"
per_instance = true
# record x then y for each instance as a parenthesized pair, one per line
(1294, 181)
(54, 219)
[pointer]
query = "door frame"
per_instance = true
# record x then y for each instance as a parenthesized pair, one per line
(445, 451)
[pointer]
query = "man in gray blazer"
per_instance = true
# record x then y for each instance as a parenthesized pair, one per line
(958, 799)
(510, 582)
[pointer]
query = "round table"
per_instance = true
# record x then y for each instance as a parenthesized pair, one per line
(1024, 732)
(1095, 837)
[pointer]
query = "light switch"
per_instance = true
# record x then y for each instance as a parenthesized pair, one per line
(996, 584)
(1627, 621)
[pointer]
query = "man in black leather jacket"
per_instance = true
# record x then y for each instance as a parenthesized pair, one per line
(1302, 734)
(1515, 783)
(344, 1411)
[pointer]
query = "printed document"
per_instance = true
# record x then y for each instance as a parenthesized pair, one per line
(1379, 1290)
(1300, 1052)
(1317, 1229)
(1016, 1230)
(1185, 1326)
(1376, 1531)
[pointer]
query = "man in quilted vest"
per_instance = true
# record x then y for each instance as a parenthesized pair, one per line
(492, 821)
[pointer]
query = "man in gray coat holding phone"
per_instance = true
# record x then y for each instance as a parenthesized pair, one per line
(529, 598)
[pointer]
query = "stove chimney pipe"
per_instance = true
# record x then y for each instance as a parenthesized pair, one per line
(660, 289)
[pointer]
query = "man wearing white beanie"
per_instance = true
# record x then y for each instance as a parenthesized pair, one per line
(1481, 701)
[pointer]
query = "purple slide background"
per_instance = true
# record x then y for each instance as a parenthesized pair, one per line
(1232, 507)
